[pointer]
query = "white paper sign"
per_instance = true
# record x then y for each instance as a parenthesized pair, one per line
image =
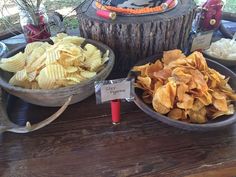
(202, 41)
(116, 91)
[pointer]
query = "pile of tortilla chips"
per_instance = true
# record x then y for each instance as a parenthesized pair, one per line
(185, 88)
(45, 66)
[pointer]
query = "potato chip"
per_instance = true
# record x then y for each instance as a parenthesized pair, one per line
(37, 53)
(176, 114)
(163, 74)
(31, 46)
(205, 98)
(54, 72)
(37, 64)
(145, 82)
(156, 71)
(31, 76)
(197, 105)
(181, 90)
(165, 95)
(45, 66)
(105, 57)
(73, 39)
(89, 50)
(52, 56)
(46, 45)
(87, 74)
(185, 88)
(159, 107)
(230, 111)
(147, 97)
(220, 104)
(35, 85)
(172, 55)
(58, 37)
(75, 79)
(44, 82)
(65, 82)
(186, 103)
(14, 63)
(198, 116)
(94, 64)
(20, 83)
(71, 69)
(66, 47)
(21, 75)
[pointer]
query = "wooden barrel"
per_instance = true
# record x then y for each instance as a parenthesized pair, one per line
(134, 38)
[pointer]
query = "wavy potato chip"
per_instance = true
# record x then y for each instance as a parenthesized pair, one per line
(31, 76)
(59, 37)
(31, 46)
(52, 56)
(73, 39)
(37, 64)
(89, 49)
(46, 66)
(21, 75)
(71, 69)
(20, 83)
(14, 63)
(54, 71)
(87, 74)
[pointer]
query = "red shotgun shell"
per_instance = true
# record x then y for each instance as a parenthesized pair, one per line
(106, 14)
(166, 4)
(115, 111)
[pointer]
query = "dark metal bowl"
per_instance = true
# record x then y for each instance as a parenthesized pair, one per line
(219, 123)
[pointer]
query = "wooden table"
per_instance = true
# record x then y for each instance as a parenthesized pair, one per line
(84, 143)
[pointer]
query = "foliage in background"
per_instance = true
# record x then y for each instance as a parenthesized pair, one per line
(230, 5)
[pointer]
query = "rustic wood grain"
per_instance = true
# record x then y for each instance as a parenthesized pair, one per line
(84, 143)
(135, 37)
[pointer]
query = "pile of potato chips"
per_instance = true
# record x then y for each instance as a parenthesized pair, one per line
(185, 88)
(45, 66)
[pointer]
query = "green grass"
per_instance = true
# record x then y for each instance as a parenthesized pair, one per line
(59, 4)
(71, 22)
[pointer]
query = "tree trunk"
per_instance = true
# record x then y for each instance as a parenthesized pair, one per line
(135, 37)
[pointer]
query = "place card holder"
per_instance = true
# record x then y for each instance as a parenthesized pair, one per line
(113, 91)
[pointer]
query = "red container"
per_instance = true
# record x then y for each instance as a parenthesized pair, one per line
(106, 14)
(115, 111)
(35, 27)
(211, 15)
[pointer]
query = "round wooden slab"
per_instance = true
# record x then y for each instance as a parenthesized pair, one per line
(133, 38)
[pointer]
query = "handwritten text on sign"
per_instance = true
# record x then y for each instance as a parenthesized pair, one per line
(202, 41)
(115, 91)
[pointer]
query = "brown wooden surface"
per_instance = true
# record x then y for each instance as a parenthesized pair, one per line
(84, 143)
(133, 38)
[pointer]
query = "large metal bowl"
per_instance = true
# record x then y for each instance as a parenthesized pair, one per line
(57, 97)
(218, 123)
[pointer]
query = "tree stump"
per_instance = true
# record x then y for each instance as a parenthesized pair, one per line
(134, 38)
